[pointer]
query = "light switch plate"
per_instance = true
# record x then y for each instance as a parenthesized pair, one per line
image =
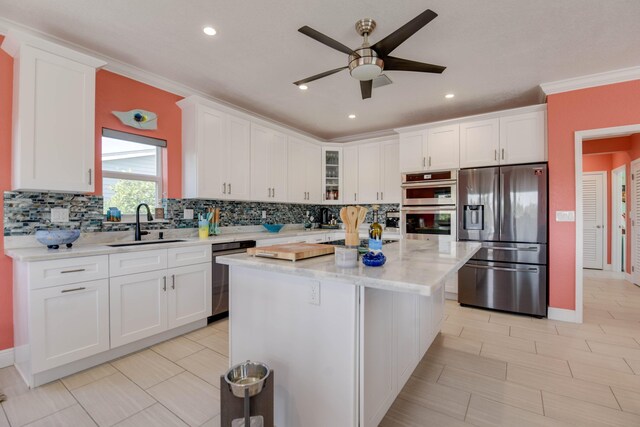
(314, 293)
(188, 214)
(565, 216)
(59, 215)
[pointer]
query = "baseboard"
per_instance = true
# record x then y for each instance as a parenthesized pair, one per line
(562, 314)
(6, 357)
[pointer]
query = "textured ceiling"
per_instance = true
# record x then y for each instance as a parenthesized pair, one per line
(497, 52)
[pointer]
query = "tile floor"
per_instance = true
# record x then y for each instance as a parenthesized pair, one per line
(485, 369)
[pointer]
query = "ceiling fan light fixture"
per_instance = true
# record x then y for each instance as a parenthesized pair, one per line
(365, 65)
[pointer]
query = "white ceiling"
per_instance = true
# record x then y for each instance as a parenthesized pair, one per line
(497, 52)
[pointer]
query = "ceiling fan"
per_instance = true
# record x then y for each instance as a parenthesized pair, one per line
(367, 62)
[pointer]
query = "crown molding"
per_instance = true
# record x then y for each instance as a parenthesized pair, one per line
(592, 80)
(135, 73)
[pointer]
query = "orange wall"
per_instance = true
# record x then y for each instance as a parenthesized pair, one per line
(593, 108)
(599, 163)
(606, 145)
(117, 93)
(6, 275)
(113, 92)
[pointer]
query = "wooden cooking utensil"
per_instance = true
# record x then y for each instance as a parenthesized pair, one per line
(352, 214)
(362, 214)
(345, 219)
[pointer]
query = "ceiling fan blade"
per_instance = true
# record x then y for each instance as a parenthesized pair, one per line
(318, 76)
(365, 88)
(398, 64)
(395, 39)
(326, 40)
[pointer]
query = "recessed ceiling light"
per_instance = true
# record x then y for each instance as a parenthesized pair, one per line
(210, 31)
(303, 87)
(352, 116)
(449, 95)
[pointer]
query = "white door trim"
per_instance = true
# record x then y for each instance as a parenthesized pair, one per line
(580, 136)
(605, 230)
(616, 196)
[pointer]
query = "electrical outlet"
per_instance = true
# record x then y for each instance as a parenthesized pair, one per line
(565, 216)
(59, 214)
(188, 214)
(264, 214)
(314, 293)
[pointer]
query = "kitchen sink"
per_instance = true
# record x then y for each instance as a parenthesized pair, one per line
(144, 242)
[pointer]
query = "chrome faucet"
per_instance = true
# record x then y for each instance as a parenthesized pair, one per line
(139, 233)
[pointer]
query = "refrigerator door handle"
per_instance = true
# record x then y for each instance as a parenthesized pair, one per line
(517, 270)
(502, 196)
(499, 248)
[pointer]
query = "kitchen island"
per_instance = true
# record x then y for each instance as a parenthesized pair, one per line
(341, 341)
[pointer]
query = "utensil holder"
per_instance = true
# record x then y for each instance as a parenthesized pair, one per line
(352, 239)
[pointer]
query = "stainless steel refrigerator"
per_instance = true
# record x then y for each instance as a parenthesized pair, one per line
(506, 209)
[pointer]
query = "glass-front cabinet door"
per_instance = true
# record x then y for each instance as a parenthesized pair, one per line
(332, 175)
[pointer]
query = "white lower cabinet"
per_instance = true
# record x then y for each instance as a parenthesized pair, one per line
(138, 306)
(189, 294)
(69, 323)
(146, 304)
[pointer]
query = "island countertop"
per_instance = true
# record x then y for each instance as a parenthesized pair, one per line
(415, 266)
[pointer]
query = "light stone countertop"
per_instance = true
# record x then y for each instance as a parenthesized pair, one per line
(415, 266)
(41, 253)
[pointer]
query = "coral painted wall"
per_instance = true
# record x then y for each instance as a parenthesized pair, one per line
(593, 108)
(117, 93)
(6, 269)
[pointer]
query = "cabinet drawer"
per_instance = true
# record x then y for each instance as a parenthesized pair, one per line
(137, 262)
(198, 254)
(65, 271)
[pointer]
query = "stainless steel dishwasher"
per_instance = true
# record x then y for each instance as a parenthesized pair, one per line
(220, 276)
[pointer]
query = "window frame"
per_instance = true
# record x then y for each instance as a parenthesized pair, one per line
(159, 144)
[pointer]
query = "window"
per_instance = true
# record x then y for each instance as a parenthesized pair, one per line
(131, 170)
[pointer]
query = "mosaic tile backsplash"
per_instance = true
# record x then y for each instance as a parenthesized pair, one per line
(27, 212)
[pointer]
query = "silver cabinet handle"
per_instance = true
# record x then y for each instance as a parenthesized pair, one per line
(224, 188)
(424, 162)
(355, 197)
(495, 155)
(164, 286)
(429, 161)
(64, 291)
(503, 154)
(381, 195)
(90, 176)
(78, 270)
(173, 281)
(517, 270)
(273, 192)
(229, 188)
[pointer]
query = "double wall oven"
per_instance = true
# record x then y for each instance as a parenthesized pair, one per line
(429, 205)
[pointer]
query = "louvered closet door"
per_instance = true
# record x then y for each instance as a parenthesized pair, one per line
(635, 221)
(593, 219)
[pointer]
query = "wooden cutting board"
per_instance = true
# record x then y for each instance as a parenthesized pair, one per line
(292, 251)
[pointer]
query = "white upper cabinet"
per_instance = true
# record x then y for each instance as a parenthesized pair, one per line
(523, 138)
(216, 152)
(304, 172)
(479, 143)
(411, 151)
(268, 164)
(54, 116)
(431, 149)
(332, 176)
(350, 172)
(378, 173)
(443, 145)
(390, 186)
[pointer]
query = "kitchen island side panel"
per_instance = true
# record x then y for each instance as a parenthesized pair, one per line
(312, 348)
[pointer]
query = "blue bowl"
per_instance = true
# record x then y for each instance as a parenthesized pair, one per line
(273, 228)
(54, 238)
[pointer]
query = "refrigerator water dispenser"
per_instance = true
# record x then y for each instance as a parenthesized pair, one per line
(473, 217)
